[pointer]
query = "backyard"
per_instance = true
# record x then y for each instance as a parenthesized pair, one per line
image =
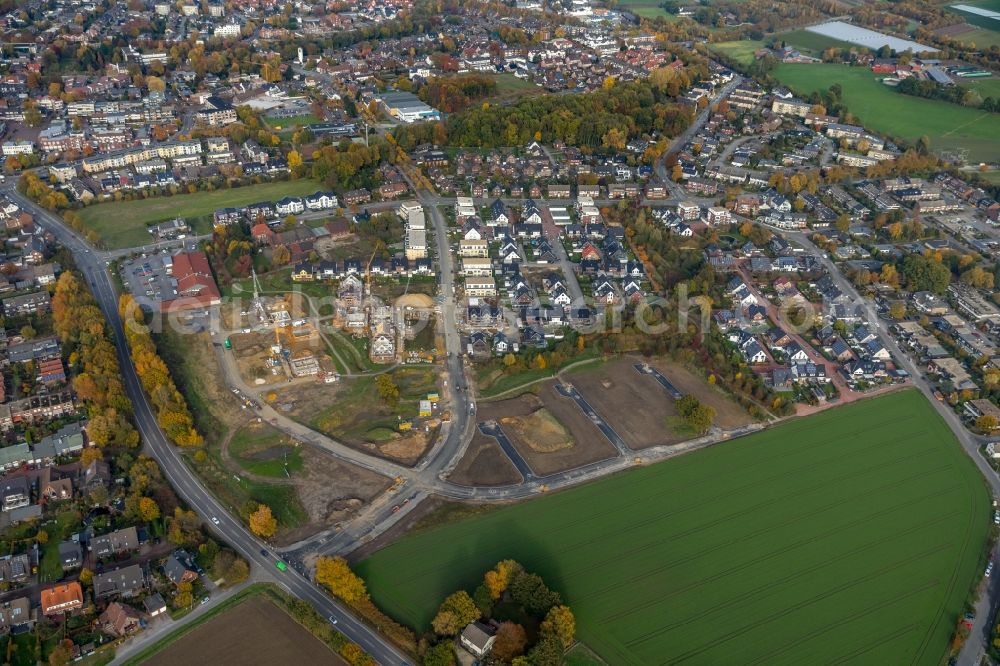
(853, 534)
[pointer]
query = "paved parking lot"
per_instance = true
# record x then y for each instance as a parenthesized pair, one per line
(147, 279)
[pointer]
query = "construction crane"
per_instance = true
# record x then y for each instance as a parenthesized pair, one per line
(368, 272)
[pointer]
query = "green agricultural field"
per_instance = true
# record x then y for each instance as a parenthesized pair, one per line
(883, 109)
(853, 535)
(123, 223)
(741, 52)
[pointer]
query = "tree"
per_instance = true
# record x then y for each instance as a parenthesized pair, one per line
(149, 510)
(559, 622)
(42, 537)
(897, 310)
(183, 598)
(455, 612)
(498, 579)
(548, 651)
(294, 160)
(530, 591)
(442, 654)
(27, 332)
(343, 583)
(986, 422)
(262, 523)
(843, 223)
(701, 418)
(238, 571)
(388, 390)
(686, 405)
(280, 255)
(510, 641)
(613, 138)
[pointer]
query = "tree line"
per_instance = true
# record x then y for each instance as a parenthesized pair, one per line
(172, 413)
(93, 362)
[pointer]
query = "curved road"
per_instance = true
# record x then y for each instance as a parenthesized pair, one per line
(183, 480)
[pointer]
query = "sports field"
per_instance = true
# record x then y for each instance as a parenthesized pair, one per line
(883, 109)
(853, 535)
(123, 223)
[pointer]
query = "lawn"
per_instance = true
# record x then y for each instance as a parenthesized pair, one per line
(885, 110)
(264, 451)
(123, 223)
(855, 534)
(741, 52)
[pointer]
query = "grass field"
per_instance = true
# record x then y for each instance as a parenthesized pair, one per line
(741, 52)
(882, 109)
(511, 87)
(985, 87)
(853, 535)
(123, 223)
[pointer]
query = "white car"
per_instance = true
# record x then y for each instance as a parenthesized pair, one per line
(989, 569)
(333, 620)
(215, 520)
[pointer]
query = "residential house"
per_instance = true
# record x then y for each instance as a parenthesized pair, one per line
(119, 620)
(15, 492)
(125, 581)
(478, 639)
(177, 571)
(16, 616)
(70, 555)
(125, 540)
(62, 598)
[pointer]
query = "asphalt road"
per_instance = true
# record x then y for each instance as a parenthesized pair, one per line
(222, 523)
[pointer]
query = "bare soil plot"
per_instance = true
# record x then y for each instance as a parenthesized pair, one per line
(484, 464)
(540, 430)
(352, 412)
(589, 443)
(254, 632)
(332, 491)
(635, 405)
(252, 351)
(728, 413)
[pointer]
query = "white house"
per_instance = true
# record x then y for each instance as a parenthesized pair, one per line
(321, 201)
(290, 206)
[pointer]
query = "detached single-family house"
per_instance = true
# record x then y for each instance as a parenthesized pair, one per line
(478, 639)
